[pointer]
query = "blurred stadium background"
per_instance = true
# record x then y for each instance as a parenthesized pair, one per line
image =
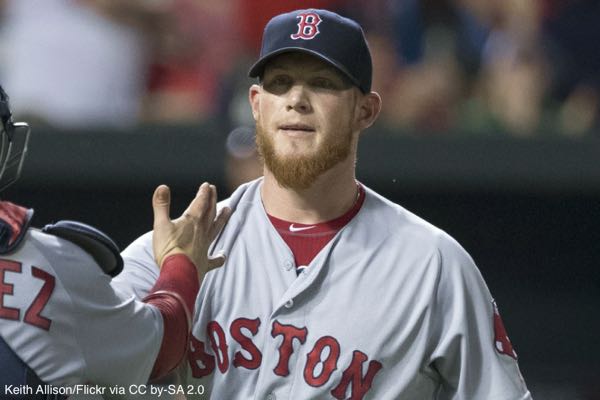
(490, 130)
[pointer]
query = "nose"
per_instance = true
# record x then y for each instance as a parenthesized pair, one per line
(298, 99)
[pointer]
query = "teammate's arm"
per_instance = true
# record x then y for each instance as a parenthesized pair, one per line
(181, 249)
(126, 341)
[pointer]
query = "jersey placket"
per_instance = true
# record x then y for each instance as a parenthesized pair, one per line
(289, 322)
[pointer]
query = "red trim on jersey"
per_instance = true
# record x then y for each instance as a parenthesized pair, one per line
(307, 240)
(174, 294)
(15, 216)
(502, 342)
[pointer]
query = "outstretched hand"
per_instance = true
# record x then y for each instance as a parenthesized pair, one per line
(191, 233)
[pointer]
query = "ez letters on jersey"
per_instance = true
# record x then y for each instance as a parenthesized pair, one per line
(33, 316)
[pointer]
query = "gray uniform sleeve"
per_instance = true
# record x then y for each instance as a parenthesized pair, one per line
(121, 340)
(464, 340)
(117, 337)
(140, 271)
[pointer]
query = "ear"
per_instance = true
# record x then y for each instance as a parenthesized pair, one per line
(254, 98)
(369, 106)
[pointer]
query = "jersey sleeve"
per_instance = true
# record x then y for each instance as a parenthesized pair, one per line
(97, 334)
(140, 271)
(174, 295)
(126, 341)
(470, 362)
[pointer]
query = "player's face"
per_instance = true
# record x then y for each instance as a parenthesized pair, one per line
(306, 118)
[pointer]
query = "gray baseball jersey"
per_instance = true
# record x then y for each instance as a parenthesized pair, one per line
(54, 316)
(391, 308)
(60, 315)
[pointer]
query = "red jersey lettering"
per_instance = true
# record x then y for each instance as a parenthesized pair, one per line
(236, 333)
(353, 375)
(196, 355)
(314, 358)
(219, 345)
(289, 333)
(33, 315)
(8, 289)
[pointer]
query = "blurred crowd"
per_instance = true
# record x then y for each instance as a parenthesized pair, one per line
(513, 67)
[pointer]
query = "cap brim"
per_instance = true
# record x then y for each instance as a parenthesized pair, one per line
(257, 69)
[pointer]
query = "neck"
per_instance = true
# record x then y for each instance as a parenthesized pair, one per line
(330, 196)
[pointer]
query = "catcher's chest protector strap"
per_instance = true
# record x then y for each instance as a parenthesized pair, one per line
(14, 221)
(96, 243)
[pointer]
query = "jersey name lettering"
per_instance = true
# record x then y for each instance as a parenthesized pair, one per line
(321, 360)
(289, 333)
(236, 333)
(219, 345)
(314, 359)
(33, 314)
(201, 363)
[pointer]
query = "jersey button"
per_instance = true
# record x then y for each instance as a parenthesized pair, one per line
(271, 396)
(289, 303)
(288, 265)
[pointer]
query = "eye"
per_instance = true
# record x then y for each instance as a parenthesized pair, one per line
(277, 83)
(323, 83)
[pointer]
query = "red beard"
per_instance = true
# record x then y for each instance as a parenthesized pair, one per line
(300, 172)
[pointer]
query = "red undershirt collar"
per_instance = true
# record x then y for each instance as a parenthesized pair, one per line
(331, 226)
(307, 240)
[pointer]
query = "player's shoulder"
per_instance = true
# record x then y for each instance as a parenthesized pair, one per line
(394, 219)
(49, 245)
(245, 195)
(140, 252)
(404, 226)
(52, 252)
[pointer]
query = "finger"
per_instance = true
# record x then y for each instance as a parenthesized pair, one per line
(198, 205)
(161, 202)
(212, 206)
(219, 222)
(216, 261)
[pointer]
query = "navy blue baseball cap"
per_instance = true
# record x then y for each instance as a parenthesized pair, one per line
(334, 39)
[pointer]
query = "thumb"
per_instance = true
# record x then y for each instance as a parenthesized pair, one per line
(161, 202)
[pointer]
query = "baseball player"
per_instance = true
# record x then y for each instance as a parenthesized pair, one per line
(331, 291)
(61, 322)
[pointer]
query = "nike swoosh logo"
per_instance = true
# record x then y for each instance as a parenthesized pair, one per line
(300, 228)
